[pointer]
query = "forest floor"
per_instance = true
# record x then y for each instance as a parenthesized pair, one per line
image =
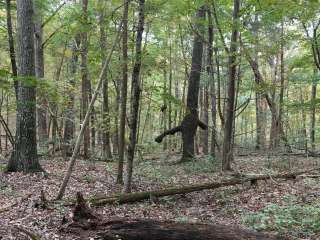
(288, 207)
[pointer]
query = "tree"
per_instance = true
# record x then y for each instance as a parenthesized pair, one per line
(39, 69)
(123, 92)
(11, 46)
(69, 125)
(85, 82)
(106, 148)
(24, 156)
(135, 98)
(191, 120)
(227, 152)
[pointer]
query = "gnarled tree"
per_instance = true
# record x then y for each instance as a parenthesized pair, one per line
(190, 122)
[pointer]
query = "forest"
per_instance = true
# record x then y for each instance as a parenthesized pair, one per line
(159, 119)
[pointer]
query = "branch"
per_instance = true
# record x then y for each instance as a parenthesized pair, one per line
(219, 28)
(202, 125)
(52, 15)
(45, 42)
(172, 131)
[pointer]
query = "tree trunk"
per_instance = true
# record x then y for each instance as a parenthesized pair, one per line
(135, 98)
(123, 92)
(69, 126)
(24, 156)
(39, 69)
(84, 79)
(227, 153)
(11, 46)
(86, 119)
(139, 229)
(313, 112)
(191, 121)
(106, 148)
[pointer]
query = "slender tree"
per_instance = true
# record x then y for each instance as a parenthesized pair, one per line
(106, 148)
(135, 98)
(123, 92)
(11, 46)
(227, 152)
(85, 85)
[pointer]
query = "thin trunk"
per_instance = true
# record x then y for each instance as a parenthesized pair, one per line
(84, 78)
(106, 148)
(313, 112)
(227, 153)
(123, 98)
(11, 46)
(135, 97)
(69, 126)
(39, 68)
(86, 119)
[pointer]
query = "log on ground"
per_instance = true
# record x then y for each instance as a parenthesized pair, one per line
(140, 196)
(155, 230)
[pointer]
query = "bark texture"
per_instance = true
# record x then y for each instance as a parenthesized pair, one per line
(24, 156)
(191, 121)
(123, 92)
(227, 152)
(69, 126)
(135, 99)
(106, 147)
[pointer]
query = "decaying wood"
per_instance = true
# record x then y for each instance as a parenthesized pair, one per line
(155, 230)
(140, 229)
(140, 196)
(82, 210)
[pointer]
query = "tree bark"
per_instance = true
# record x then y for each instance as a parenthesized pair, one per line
(84, 78)
(69, 126)
(43, 134)
(135, 98)
(24, 156)
(313, 113)
(227, 153)
(191, 121)
(125, 198)
(11, 46)
(139, 229)
(106, 148)
(86, 119)
(123, 92)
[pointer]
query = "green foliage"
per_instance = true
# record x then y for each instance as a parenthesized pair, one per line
(206, 164)
(297, 220)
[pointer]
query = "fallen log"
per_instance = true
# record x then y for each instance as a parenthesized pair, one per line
(156, 230)
(140, 196)
(140, 229)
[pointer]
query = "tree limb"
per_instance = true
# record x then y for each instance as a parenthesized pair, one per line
(171, 131)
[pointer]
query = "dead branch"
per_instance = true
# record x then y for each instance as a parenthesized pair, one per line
(168, 132)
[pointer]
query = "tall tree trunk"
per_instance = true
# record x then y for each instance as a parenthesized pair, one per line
(123, 92)
(106, 148)
(227, 153)
(84, 78)
(191, 121)
(24, 156)
(135, 97)
(115, 136)
(313, 112)
(39, 68)
(69, 125)
(11, 46)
